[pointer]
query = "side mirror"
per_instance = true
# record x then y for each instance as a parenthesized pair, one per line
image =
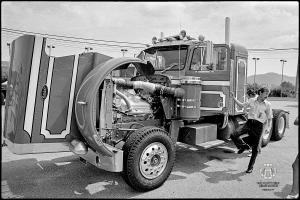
(209, 51)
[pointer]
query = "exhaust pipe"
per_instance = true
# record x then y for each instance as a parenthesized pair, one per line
(227, 31)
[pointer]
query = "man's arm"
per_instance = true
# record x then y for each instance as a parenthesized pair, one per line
(236, 101)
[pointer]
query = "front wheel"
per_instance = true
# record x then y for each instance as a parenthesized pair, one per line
(149, 156)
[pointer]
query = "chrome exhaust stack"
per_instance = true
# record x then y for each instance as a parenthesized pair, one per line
(227, 31)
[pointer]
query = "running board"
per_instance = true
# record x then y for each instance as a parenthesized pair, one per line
(210, 144)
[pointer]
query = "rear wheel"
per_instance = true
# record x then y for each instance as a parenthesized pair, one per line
(279, 124)
(266, 136)
(2, 98)
(149, 156)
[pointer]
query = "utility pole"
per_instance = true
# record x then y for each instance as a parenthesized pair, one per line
(88, 49)
(124, 51)
(8, 44)
(283, 61)
(50, 47)
(255, 74)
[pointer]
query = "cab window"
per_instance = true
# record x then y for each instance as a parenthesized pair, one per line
(199, 59)
(220, 58)
(167, 57)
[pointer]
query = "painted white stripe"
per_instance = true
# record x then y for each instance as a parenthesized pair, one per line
(223, 83)
(65, 132)
(71, 99)
(46, 101)
(33, 81)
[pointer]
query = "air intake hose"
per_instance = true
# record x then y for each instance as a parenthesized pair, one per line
(151, 87)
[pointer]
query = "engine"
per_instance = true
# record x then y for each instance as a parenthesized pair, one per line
(131, 106)
(138, 104)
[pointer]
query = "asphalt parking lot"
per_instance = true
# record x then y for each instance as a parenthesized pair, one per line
(213, 173)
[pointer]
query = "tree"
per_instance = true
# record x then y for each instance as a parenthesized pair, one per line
(251, 86)
(275, 92)
(288, 89)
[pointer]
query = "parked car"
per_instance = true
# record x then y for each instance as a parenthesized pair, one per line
(4, 76)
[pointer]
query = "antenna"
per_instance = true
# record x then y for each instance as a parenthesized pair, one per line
(179, 63)
(180, 23)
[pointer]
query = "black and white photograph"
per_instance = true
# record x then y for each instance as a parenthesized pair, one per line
(149, 100)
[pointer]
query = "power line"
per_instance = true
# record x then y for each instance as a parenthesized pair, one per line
(272, 49)
(8, 34)
(13, 30)
(278, 58)
(75, 44)
(93, 43)
(272, 53)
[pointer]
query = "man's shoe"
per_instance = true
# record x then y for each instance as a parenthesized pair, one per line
(249, 170)
(246, 147)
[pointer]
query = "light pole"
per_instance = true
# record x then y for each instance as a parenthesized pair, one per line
(255, 73)
(124, 51)
(8, 44)
(283, 61)
(50, 47)
(88, 49)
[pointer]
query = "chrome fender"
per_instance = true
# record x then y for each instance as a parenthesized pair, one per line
(86, 100)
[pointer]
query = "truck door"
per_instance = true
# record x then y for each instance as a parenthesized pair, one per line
(215, 76)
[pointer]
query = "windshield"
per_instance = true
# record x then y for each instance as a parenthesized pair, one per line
(167, 57)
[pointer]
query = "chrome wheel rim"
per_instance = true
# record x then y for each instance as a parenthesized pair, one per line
(153, 160)
(266, 134)
(281, 125)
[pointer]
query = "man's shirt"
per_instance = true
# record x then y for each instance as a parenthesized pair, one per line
(259, 111)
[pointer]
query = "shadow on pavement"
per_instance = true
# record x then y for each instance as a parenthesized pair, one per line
(64, 177)
(284, 192)
(191, 160)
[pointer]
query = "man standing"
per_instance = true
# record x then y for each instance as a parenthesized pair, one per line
(260, 111)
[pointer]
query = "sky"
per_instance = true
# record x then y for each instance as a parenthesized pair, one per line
(259, 26)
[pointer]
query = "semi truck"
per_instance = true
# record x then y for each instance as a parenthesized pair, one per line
(127, 114)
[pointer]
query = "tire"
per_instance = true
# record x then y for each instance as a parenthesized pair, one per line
(149, 156)
(2, 98)
(224, 134)
(266, 136)
(279, 124)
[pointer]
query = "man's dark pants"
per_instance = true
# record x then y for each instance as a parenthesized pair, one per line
(254, 129)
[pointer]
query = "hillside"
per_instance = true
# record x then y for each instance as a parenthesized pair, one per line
(271, 79)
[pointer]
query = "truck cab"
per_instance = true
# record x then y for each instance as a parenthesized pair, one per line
(220, 67)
